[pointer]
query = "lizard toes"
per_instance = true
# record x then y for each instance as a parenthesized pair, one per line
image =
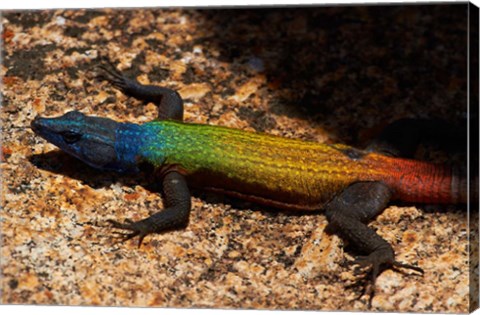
(408, 266)
(138, 229)
(124, 226)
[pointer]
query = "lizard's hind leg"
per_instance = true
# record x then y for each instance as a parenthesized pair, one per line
(168, 101)
(348, 214)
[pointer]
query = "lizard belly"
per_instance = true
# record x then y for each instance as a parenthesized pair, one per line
(295, 195)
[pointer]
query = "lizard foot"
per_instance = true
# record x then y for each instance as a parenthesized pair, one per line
(115, 77)
(373, 265)
(138, 228)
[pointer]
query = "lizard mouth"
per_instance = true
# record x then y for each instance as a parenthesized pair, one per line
(45, 128)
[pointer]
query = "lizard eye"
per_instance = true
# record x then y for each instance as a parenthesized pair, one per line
(71, 136)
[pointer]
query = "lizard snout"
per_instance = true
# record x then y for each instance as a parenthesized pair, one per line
(37, 124)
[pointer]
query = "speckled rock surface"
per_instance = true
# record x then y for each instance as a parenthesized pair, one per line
(322, 74)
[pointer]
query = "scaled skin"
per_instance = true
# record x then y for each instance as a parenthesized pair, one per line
(281, 172)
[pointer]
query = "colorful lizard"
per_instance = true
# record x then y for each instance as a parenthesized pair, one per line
(352, 186)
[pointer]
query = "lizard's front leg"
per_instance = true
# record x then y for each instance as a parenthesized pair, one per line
(348, 214)
(175, 215)
(168, 101)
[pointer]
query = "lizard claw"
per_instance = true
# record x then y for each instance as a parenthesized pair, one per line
(113, 76)
(110, 73)
(408, 266)
(373, 265)
(117, 79)
(137, 228)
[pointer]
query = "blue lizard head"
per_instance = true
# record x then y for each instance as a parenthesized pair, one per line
(90, 139)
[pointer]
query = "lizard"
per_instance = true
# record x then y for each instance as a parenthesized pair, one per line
(350, 185)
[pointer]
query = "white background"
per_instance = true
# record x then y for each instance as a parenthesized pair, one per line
(63, 310)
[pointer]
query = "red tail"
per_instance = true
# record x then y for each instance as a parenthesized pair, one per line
(416, 181)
